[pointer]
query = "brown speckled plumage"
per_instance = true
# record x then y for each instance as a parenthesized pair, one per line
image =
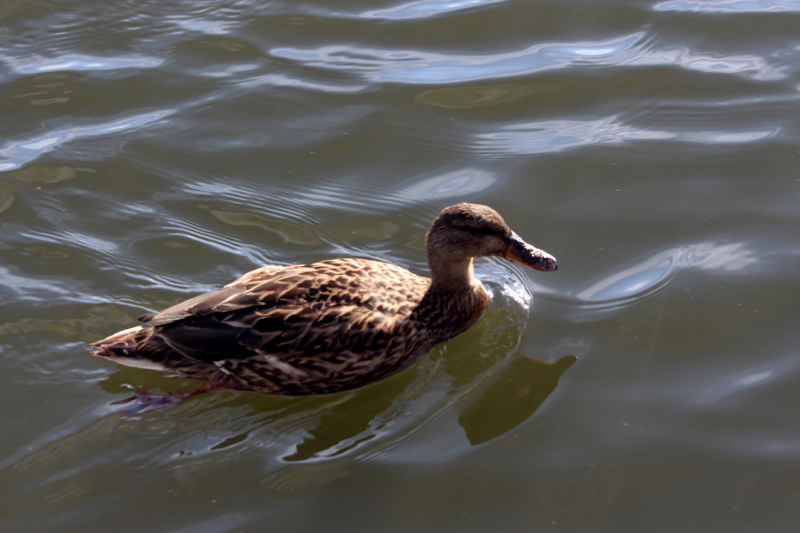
(328, 326)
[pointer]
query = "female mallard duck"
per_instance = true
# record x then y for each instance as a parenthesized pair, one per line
(329, 326)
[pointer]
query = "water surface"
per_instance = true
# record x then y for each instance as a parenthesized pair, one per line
(151, 151)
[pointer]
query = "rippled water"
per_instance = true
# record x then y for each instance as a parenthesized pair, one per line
(150, 151)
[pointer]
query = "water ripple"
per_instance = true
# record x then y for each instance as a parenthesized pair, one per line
(730, 6)
(283, 80)
(737, 382)
(413, 66)
(652, 274)
(18, 153)
(460, 183)
(75, 62)
(425, 9)
(422, 67)
(558, 135)
(202, 25)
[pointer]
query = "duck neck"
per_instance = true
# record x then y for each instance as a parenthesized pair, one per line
(450, 275)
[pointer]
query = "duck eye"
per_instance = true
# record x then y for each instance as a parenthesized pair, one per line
(482, 230)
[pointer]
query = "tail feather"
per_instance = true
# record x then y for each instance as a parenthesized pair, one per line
(130, 347)
(120, 344)
(143, 347)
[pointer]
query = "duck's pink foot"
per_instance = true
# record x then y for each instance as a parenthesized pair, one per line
(144, 402)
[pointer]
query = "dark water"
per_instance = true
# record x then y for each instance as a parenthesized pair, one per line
(150, 151)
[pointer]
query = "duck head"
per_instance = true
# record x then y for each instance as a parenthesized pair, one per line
(464, 231)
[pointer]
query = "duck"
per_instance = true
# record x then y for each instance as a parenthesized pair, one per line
(330, 326)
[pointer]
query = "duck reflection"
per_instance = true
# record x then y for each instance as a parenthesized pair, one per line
(325, 427)
(505, 404)
(295, 428)
(513, 398)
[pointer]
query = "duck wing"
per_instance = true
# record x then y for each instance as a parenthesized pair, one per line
(317, 311)
(260, 287)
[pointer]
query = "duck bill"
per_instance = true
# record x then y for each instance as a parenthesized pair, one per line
(520, 251)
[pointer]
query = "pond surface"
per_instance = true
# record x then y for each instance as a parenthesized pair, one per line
(150, 151)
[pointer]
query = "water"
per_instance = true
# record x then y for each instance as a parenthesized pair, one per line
(150, 151)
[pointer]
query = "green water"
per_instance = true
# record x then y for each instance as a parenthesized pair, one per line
(151, 151)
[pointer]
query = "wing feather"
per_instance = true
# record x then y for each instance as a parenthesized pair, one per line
(320, 311)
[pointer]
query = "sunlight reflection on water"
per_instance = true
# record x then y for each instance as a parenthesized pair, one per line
(739, 382)
(548, 136)
(18, 153)
(416, 66)
(80, 63)
(654, 273)
(424, 8)
(730, 6)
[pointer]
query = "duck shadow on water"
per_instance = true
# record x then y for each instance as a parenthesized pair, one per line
(513, 398)
(326, 427)
(507, 402)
